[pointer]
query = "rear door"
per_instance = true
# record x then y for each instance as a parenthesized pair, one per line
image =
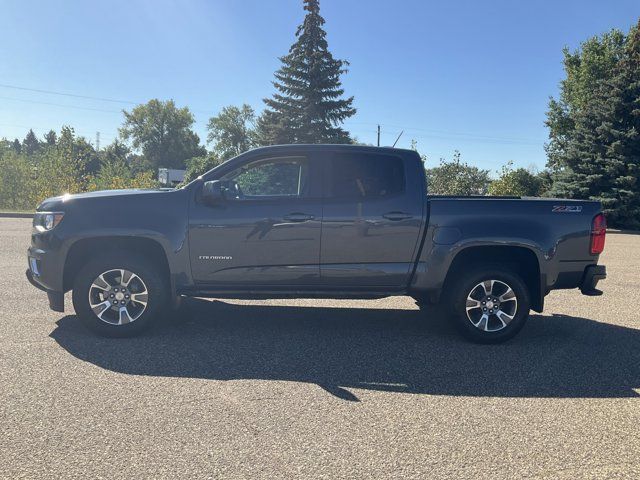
(372, 219)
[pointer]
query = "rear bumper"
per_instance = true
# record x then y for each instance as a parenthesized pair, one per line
(592, 275)
(56, 299)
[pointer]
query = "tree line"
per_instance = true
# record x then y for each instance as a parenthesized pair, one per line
(593, 150)
(594, 126)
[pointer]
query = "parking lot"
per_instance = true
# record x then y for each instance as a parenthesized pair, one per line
(321, 389)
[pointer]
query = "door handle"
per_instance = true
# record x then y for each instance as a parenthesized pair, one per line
(298, 217)
(397, 216)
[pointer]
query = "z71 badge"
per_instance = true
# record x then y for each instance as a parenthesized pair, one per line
(567, 208)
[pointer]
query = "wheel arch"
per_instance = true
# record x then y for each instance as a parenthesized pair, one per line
(521, 260)
(82, 250)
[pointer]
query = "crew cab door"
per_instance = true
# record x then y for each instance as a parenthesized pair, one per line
(372, 219)
(267, 229)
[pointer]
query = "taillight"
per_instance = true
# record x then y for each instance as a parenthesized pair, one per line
(598, 233)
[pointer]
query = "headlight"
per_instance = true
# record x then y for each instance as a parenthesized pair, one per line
(44, 221)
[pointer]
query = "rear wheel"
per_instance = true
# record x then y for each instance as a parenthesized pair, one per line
(119, 295)
(490, 304)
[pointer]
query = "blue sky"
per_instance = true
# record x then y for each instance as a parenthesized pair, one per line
(466, 75)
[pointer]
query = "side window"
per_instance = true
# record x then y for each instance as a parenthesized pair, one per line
(270, 177)
(366, 176)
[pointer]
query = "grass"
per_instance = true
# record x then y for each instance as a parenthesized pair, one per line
(6, 212)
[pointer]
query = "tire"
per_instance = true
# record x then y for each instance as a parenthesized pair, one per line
(501, 316)
(93, 302)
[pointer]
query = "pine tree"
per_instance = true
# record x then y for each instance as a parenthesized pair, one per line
(16, 145)
(50, 138)
(308, 106)
(602, 156)
(30, 144)
(625, 133)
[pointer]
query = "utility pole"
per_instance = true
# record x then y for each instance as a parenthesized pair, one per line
(378, 135)
(97, 141)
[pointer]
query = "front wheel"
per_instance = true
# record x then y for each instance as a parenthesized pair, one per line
(489, 304)
(119, 295)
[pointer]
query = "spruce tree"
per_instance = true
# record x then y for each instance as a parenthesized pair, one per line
(585, 68)
(50, 138)
(602, 156)
(308, 106)
(625, 133)
(16, 145)
(30, 144)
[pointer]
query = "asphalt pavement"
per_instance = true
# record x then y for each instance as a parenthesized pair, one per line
(321, 388)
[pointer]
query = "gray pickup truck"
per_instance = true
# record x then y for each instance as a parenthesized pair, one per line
(313, 221)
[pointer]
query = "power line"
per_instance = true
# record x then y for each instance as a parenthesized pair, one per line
(458, 136)
(43, 130)
(435, 133)
(61, 105)
(471, 135)
(75, 95)
(85, 97)
(442, 134)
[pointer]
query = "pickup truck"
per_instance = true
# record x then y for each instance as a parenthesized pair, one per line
(313, 221)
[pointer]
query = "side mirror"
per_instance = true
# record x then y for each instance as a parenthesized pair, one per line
(213, 192)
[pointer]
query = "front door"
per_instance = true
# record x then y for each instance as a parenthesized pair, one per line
(266, 231)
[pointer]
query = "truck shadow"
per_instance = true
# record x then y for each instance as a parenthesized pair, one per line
(390, 350)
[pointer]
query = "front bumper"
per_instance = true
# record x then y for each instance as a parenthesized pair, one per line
(44, 271)
(592, 275)
(56, 299)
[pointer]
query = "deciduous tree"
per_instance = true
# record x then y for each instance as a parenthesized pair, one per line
(517, 182)
(163, 133)
(232, 131)
(196, 166)
(457, 178)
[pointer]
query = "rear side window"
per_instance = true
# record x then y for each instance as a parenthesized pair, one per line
(366, 176)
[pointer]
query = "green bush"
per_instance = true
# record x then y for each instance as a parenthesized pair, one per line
(196, 166)
(457, 178)
(519, 182)
(26, 180)
(17, 182)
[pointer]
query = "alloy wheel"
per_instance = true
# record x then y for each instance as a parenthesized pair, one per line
(118, 296)
(491, 305)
